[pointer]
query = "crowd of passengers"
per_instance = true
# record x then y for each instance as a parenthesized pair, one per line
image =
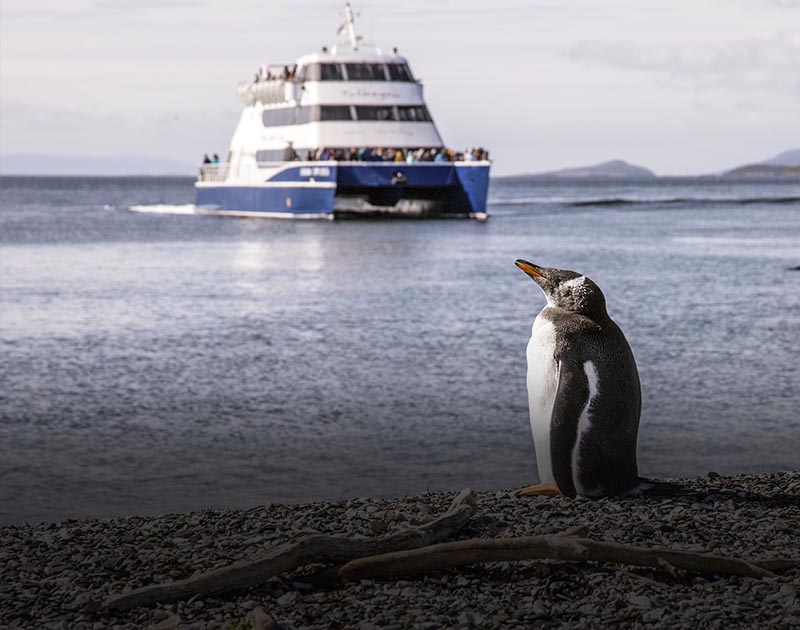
(265, 74)
(409, 156)
(366, 154)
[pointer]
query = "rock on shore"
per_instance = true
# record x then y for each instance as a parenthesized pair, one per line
(50, 572)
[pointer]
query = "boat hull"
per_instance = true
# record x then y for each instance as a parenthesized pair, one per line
(327, 190)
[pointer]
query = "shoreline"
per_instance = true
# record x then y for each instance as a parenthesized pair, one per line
(50, 572)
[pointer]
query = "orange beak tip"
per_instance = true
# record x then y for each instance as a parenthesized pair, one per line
(528, 268)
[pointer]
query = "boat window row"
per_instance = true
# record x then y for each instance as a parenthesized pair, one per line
(355, 72)
(317, 113)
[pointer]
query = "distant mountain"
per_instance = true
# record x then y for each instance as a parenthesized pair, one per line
(615, 169)
(787, 158)
(786, 164)
(764, 170)
(44, 164)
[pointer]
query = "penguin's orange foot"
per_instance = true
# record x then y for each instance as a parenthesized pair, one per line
(546, 489)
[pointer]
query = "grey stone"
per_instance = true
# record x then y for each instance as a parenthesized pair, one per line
(652, 616)
(259, 619)
(640, 601)
(170, 623)
(788, 591)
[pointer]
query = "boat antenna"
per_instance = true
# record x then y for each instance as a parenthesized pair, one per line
(351, 26)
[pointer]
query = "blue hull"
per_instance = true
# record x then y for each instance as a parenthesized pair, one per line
(328, 189)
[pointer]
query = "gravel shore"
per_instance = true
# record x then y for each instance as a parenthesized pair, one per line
(50, 572)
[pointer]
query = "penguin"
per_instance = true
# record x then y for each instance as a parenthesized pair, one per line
(584, 393)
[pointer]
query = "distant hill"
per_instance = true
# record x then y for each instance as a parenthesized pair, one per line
(615, 169)
(764, 170)
(45, 164)
(786, 164)
(787, 158)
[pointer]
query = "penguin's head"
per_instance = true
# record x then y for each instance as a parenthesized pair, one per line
(566, 289)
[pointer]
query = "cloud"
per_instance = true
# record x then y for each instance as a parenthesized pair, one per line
(737, 64)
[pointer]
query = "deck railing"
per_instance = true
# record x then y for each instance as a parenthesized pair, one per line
(213, 172)
(219, 172)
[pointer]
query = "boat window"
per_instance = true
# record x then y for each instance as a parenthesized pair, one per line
(316, 113)
(276, 155)
(399, 72)
(325, 72)
(372, 112)
(286, 116)
(413, 113)
(365, 72)
(332, 72)
(355, 72)
(333, 112)
(277, 117)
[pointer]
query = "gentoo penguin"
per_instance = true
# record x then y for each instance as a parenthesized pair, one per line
(583, 393)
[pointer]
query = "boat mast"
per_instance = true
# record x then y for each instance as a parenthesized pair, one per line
(351, 26)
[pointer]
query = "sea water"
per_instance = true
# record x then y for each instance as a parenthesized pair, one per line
(156, 360)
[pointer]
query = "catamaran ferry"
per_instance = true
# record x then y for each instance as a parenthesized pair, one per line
(339, 133)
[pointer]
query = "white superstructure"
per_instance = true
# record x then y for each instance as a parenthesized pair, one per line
(349, 97)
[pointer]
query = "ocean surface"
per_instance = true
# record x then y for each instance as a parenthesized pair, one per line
(153, 360)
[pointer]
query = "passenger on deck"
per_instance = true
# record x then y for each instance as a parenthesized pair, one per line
(206, 159)
(289, 154)
(215, 159)
(353, 156)
(398, 156)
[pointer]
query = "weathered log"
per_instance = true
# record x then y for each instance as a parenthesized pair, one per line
(309, 549)
(553, 546)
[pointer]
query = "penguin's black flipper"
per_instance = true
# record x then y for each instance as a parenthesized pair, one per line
(657, 488)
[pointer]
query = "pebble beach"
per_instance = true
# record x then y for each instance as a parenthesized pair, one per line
(51, 574)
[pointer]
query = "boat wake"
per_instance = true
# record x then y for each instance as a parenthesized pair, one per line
(634, 200)
(162, 208)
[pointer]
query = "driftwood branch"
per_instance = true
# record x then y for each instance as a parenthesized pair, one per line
(420, 549)
(309, 549)
(779, 564)
(554, 547)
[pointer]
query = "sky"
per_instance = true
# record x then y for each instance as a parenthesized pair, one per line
(678, 86)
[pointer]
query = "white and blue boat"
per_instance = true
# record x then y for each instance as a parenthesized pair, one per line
(341, 132)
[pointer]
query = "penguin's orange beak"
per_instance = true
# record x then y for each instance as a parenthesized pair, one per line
(529, 268)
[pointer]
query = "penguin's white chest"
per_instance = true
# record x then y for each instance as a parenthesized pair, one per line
(542, 386)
